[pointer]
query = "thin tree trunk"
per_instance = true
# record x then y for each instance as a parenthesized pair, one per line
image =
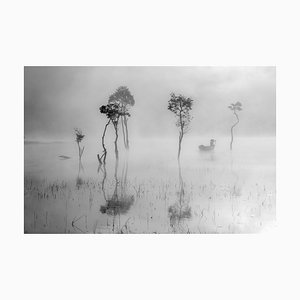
(123, 132)
(126, 130)
(78, 150)
(180, 175)
(115, 196)
(116, 141)
(103, 145)
(103, 182)
(80, 165)
(231, 131)
(231, 142)
(116, 176)
(124, 178)
(179, 145)
(180, 133)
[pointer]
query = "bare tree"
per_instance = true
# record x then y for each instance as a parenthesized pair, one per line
(181, 107)
(235, 107)
(124, 98)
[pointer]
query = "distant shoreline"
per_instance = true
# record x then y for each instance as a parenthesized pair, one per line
(43, 142)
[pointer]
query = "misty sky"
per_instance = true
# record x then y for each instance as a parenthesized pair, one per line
(57, 99)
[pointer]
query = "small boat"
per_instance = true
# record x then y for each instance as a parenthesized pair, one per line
(208, 148)
(64, 157)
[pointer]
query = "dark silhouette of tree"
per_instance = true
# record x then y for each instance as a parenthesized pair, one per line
(235, 107)
(181, 107)
(113, 112)
(123, 97)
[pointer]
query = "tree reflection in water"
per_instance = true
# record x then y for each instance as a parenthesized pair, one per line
(120, 202)
(79, 180)
(180, 211)
(236, 188)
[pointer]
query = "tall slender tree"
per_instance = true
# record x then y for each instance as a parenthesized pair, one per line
(235, 108)
(113, 112)
(79, 138)
(181, 107)
(124, 98)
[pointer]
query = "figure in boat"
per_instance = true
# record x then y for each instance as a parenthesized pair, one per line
(208, 148)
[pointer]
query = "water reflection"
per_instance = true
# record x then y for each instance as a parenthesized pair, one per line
(206, 198)
(236, 189)
(120, 201)
(79, 139)
(79, 180)
(181, 210)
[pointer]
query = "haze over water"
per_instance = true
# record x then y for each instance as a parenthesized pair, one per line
(225, 192)
(221, 191)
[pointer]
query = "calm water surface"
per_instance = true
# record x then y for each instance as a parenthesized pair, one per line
(146, 191)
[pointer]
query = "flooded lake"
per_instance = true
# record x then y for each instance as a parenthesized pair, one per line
(147, 191)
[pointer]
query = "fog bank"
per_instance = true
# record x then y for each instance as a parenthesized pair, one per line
(57, 99)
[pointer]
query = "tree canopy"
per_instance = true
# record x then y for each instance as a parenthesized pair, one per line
(181, 106)
(113, 111)
(79, 135)
(123, 96)
(235, 106)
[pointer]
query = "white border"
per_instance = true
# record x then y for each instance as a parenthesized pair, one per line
(226, 33)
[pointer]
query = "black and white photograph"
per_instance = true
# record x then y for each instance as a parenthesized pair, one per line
(149, 149)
